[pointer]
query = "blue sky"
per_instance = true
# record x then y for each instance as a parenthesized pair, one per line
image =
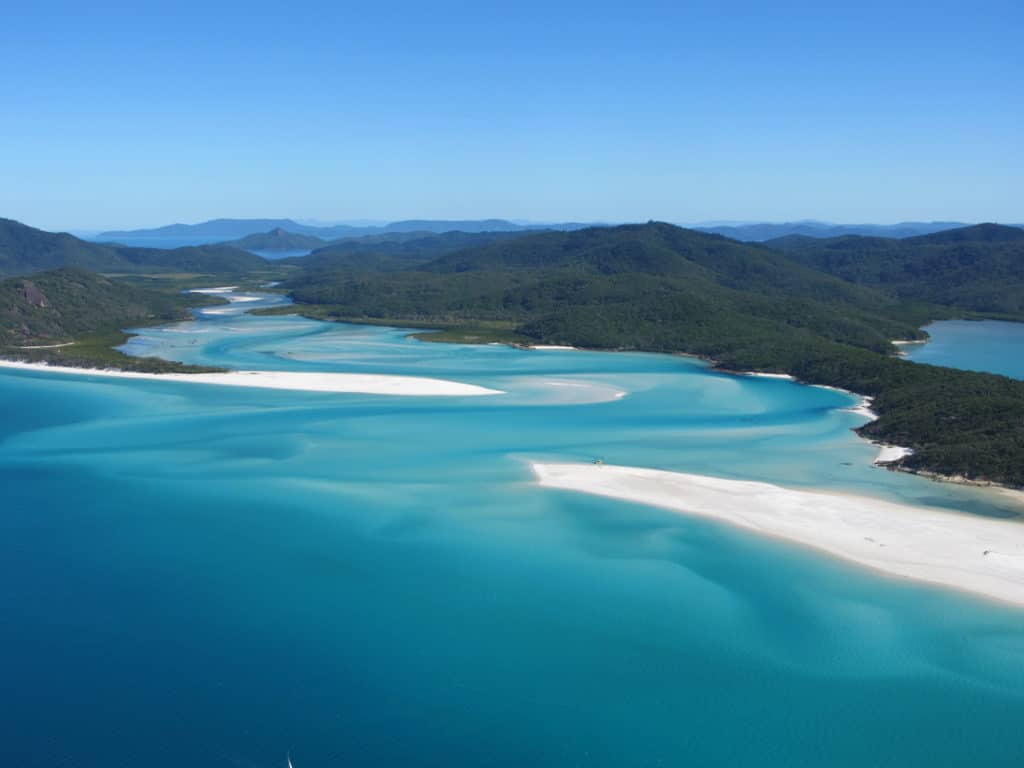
(139, 114)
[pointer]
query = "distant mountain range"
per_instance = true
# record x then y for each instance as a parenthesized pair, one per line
(761, 232)
(24, 249)
(232, 230)
(221, 230)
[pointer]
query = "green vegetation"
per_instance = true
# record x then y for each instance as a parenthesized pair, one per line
(277, 239)
(394, 250)
(660, 288)
(978, 268)
(74, 317)
(24, 250)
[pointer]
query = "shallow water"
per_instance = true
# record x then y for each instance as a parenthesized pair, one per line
(212, 575)
(985, 345)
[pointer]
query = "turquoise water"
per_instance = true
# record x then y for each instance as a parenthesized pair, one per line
(206, 575)
(986, 345)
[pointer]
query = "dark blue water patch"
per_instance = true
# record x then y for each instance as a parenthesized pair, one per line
(274, 255)
(987, 345)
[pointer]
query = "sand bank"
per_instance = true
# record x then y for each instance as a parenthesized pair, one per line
(981, 555)
(221, 289)
(370, 384)
(762, 375)
(551, 346)
(891, 453)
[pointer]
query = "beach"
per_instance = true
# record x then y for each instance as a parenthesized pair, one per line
(981, 555)
(355, 383)
(890, 453)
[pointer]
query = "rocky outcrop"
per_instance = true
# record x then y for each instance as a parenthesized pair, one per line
(33, 295)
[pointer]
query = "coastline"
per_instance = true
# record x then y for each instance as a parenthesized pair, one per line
(352, 383)
(979, 555)
(889, 457)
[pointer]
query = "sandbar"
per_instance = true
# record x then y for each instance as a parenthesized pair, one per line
(980, 555)
(303, 381)
(890, 453)
(221, 289)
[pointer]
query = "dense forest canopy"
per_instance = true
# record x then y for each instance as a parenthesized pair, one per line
(979, 268)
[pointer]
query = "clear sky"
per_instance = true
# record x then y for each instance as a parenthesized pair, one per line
(137, 114)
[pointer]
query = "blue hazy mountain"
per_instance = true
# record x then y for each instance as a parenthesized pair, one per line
(221, 230)
(760, 232)
(25, 249)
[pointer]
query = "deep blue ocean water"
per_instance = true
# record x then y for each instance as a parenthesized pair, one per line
(985, 345)
(204, 575)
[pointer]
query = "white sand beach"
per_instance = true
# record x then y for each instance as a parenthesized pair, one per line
(361, 383)
(221, 289)
(981, 555)
(863, 408)
(551, 346)
(761, 375)
(890, 453)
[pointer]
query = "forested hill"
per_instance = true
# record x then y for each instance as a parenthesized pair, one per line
(395, 250)
(979, 268)
(649, 287)
(74, 317)
(277, 240)
(24, 250)
(636, 286)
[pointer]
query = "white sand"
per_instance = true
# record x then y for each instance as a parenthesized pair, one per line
(550, 346)
(890, 453)
(759, 375)
(371, 384)
(981, 555)
(222, 289)
(863, 408)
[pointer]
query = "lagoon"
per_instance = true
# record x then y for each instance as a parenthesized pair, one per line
(215, 575)
(974, 345)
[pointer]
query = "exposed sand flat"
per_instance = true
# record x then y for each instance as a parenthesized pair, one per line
(761, 375)
(863, 408)
(221, 289)
(976, 554)
(362, 383)
(890, 453)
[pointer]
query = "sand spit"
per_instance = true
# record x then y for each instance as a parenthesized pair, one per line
(981, 555)
(370, 384)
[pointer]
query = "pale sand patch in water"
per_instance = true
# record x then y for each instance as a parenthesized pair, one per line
(976, 554)
(361, 383)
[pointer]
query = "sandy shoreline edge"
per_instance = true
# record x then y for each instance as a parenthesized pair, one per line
(302, 381)
(980, 555)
